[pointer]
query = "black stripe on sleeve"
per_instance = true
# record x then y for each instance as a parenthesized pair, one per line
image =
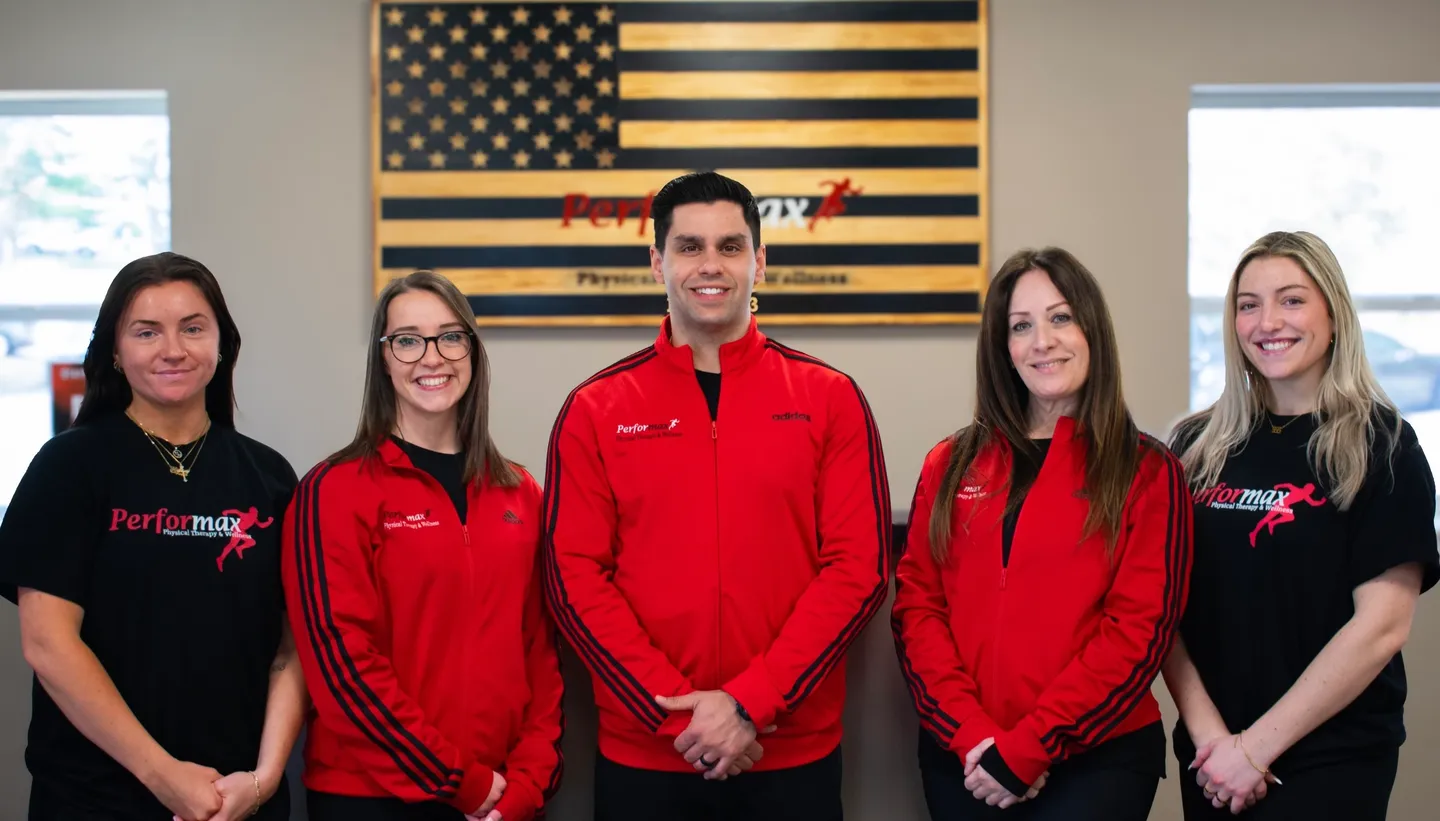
(1087, 730)
(835, 650)
(940, 723)
(328, 647)
(621, 682)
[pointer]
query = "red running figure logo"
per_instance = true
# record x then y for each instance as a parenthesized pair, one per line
(240, 540)
(834, 203)
(1283, 509)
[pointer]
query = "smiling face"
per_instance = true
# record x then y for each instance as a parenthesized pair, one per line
(1047, 347)
(709, 268)
(1282, 323)
(433, 384)
(167, 344)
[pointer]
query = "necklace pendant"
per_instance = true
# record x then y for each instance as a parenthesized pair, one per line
(182, 473)
(1274, 428)
(177, 453)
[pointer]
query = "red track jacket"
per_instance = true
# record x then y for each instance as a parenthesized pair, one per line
(426, 648)
(1057, 651)
(744, 555)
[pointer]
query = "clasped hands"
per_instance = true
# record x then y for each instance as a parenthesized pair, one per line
(194, 792)
(1227, 775)
(985, 788)
(717, 741)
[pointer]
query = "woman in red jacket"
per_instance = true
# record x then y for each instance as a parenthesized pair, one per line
(1045, 571)
(410, 576)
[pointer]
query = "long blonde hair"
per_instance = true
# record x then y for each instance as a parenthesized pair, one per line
(1349, 392)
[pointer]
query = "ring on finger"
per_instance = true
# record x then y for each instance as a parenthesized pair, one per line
(708, 763)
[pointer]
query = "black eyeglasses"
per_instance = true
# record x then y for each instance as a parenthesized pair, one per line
(408, 348)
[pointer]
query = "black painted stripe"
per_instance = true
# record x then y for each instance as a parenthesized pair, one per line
(869, 11)
(917, 108)
(495, 208)
(623, 256)
(828, 157)
(777, 303)
(330, 650)
(608, 669)
(959, 59)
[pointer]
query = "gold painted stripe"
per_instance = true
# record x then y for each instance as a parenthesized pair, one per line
(838, 231)
(797, 85)
(762, 182)
(816, 279)
(796, 36)
(797, 133)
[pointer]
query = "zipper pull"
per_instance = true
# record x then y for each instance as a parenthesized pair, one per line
(1003, 571)
(714, 431)
(466, 531)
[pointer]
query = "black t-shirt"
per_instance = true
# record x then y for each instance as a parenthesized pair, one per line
(447, 468)
(710, 384)
(1022, 470)
(1276, 564)
(180, 585)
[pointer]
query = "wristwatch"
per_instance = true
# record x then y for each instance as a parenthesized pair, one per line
(740, 708)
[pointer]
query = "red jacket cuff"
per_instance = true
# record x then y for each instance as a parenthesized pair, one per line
(756, 694)
(1023, 753)
(519, 803)
(974, 730)
(474, 788)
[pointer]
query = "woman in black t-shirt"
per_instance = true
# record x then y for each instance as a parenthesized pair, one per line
(142, 547)
(1314, 536)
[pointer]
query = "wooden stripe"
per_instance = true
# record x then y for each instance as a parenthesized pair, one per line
(795, 36)
(797, 133)
(761, 182)
(837, 231)
(772, 320)
(802, 85)
(818, 279)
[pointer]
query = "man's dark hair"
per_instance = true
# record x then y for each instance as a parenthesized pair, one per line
(702, 186)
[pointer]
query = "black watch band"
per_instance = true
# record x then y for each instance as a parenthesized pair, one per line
(740, 708)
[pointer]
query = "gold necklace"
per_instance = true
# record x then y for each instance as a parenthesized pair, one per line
(175, 455)
(1274, 428)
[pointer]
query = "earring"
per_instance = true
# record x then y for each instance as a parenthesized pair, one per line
(754, 303)
(219, 357)
(116, 366)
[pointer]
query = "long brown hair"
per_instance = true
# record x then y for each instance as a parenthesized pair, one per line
(1002, 401)
(378, 410)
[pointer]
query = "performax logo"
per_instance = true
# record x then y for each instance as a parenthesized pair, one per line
(391, 519)
(165, 523)
(647, 430)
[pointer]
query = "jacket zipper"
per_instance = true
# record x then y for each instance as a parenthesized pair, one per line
(719, 566)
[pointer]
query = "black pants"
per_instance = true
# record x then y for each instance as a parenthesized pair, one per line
(1357, 790)
(326, 807)
(810, 792)
(1069, 794)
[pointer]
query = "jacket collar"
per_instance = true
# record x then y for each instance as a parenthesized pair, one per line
(393, 455)
(734, 356)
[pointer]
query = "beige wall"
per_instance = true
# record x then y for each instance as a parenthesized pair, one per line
(269, 105)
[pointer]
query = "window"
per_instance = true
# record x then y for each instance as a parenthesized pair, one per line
(84, 189)
(1356, 166)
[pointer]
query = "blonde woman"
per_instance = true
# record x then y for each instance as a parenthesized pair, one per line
(1313, 539)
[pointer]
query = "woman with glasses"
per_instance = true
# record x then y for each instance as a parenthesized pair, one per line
(410, 573)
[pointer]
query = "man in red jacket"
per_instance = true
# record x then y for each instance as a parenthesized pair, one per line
(712, 553)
